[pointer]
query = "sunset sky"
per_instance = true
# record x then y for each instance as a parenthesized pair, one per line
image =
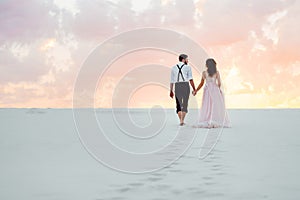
(43, 44)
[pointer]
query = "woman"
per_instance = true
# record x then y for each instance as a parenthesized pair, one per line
(213, 112)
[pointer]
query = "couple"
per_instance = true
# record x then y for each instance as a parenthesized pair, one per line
(213, 112)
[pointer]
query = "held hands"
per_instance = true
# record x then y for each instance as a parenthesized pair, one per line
(194, 92)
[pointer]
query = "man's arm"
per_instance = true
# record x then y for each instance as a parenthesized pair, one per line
(192, 84)
(190, 76)
(171, 90)
(172, 81)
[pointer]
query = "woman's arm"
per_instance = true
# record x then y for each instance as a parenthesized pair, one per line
(201, 83)
(218, 79)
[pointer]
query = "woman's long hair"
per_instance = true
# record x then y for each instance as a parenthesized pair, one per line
(211, 66)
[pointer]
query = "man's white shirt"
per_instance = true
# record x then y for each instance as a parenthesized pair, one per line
(186, 72)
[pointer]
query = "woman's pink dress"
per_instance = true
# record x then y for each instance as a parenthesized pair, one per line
(213, 113)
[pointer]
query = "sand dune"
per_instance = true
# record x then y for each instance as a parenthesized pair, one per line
(42, 157)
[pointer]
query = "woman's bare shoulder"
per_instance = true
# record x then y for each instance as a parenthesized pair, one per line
(204, 74)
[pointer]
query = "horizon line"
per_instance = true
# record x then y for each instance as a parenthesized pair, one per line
(290, 108)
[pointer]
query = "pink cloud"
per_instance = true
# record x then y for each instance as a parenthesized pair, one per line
(231, 21)
(26, 20)
(289, 29)
(232, 30)
(95, 20)
(27, 69)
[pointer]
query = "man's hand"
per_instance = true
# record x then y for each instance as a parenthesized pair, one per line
(171, 94)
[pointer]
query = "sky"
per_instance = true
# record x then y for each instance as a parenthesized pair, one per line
(44, 43)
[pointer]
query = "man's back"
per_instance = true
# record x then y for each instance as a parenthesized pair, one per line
(186, 73)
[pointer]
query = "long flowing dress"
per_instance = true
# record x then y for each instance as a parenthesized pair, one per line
(213, 113)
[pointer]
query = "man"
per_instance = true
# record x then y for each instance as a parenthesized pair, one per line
(181, 76)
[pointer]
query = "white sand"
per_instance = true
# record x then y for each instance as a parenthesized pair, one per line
(43, 158)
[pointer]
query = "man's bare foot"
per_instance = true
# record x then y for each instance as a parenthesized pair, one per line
(182, 123)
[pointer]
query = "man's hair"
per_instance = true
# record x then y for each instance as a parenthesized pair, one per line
(182, 56)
